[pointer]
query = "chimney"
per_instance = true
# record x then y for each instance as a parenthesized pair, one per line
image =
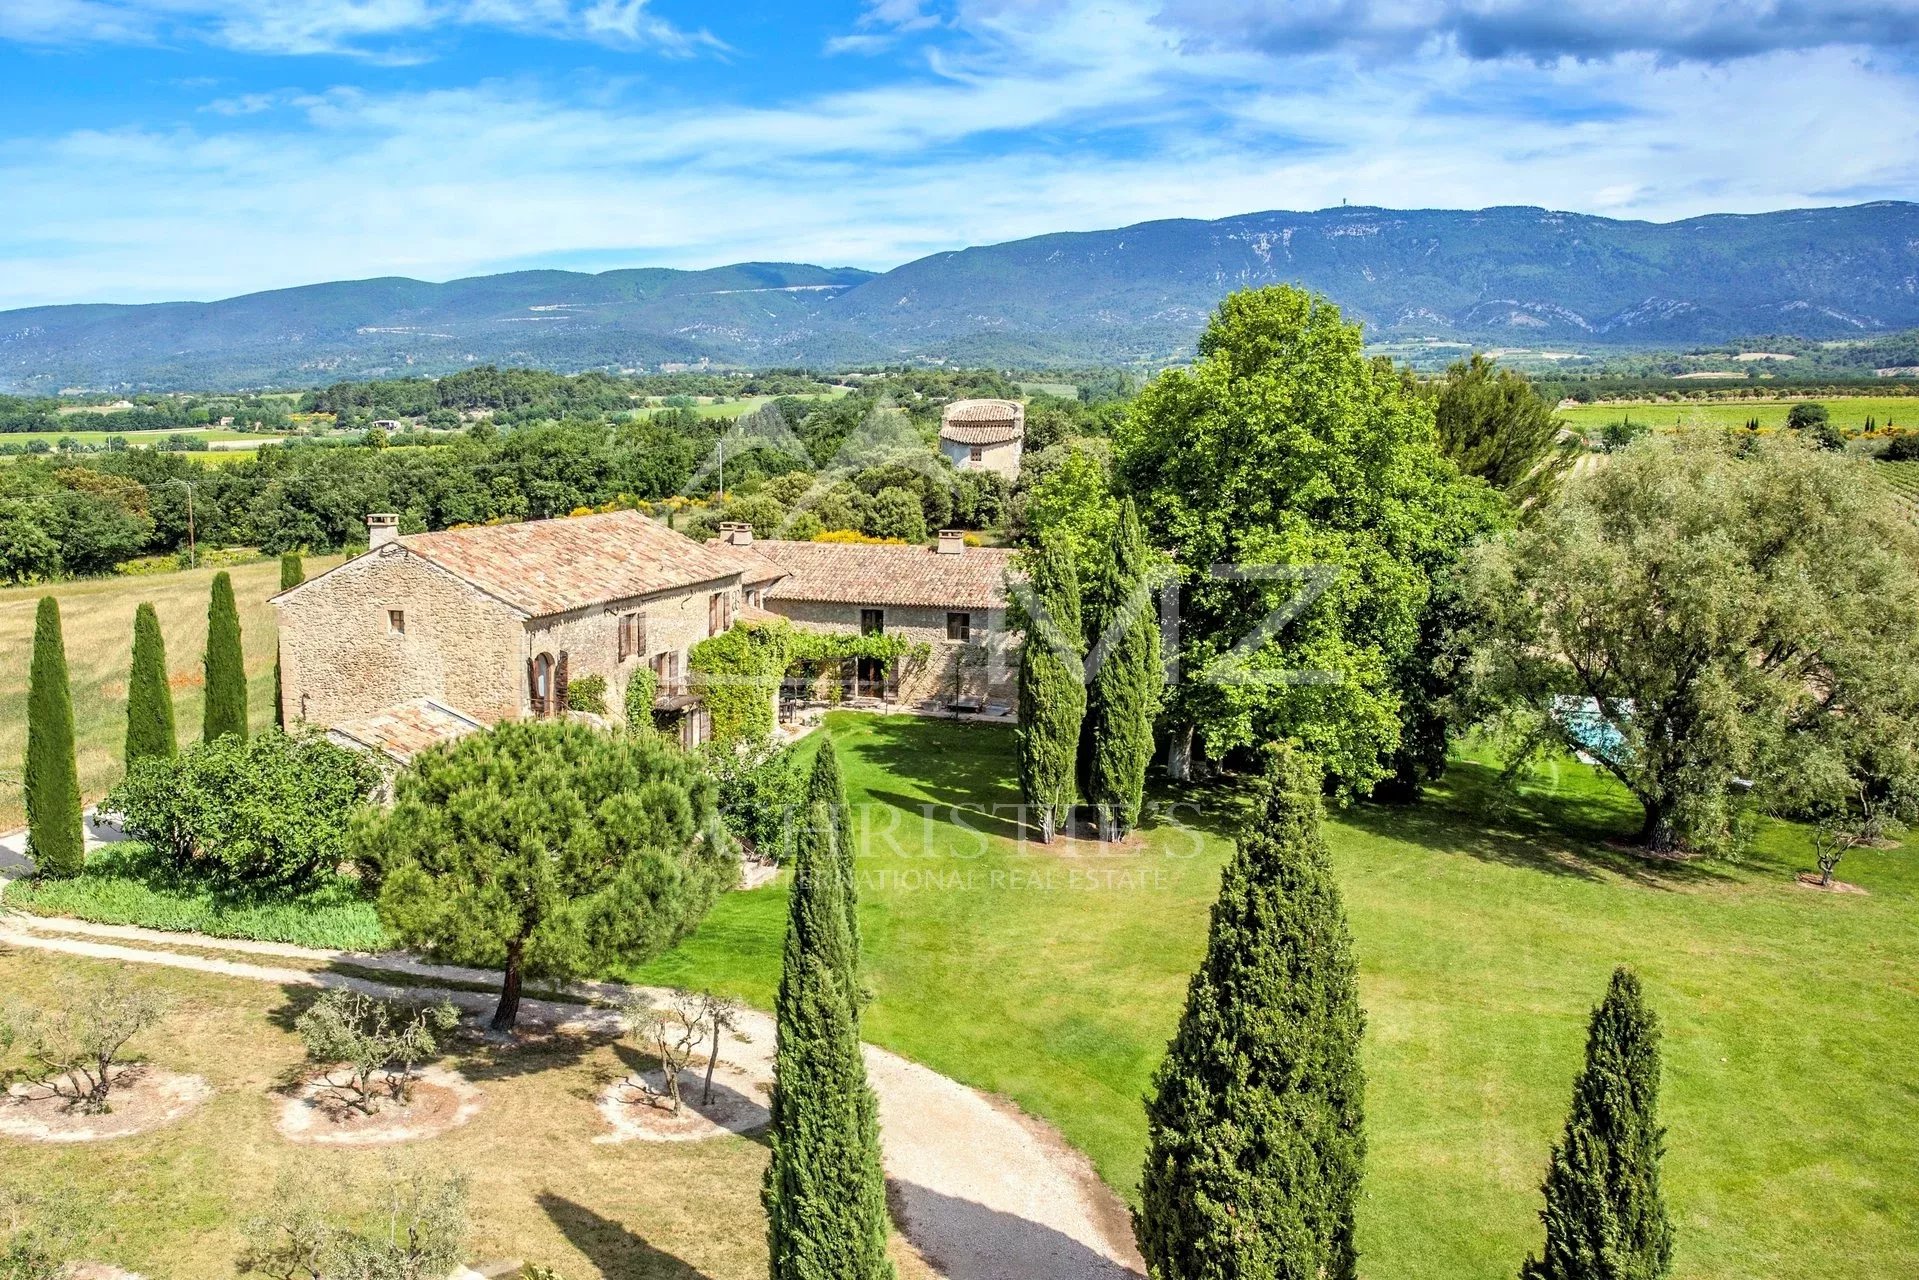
(738, 533)
(952, 541)
(382, 527)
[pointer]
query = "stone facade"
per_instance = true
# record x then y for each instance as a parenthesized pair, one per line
(979, 670)
(344, 655)
(1002, 456)
(673, 623)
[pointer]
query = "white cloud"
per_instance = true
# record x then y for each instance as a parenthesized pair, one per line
(356, 27)
(1073, 117)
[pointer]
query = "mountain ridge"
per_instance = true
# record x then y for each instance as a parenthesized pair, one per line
(1134, 295)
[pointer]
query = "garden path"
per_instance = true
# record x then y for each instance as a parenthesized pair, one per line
(983, 1191)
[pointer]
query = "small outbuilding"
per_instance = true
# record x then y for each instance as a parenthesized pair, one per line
(984, 435)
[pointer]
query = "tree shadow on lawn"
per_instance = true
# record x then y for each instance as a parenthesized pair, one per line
(534, 1049)
(935, 756)
(610, 1247)
(1568, 833)
(726, 1100)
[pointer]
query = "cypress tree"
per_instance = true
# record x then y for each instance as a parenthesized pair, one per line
(1254, 1125)
(825, 1195)
(226, 674)
(292, 573)
(1052, 689)
(826, 798)
(56, 838)
(1605, 1218)
(1128, 678)
(150, 730)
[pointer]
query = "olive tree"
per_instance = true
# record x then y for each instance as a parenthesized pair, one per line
(546, 848)
(1694, 616)
(77, 1051)
(360, 1037)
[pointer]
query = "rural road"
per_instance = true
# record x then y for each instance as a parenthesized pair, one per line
(982, 1191)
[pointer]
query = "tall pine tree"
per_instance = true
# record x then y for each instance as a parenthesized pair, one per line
(1255, 1132)
(1605, 1218)
(150, 729)
(292, 573)
(226, 673)
(56, 838)
(825, 1194)
(1128, 678)
(1052, 689)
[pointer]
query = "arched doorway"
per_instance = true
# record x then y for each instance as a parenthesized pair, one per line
(539, 679)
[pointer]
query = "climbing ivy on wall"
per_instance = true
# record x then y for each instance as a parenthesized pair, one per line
(736, 672)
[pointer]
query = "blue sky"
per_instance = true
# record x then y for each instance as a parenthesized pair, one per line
(156, 149)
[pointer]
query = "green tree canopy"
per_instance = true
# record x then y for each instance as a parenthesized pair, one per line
(1782, 585)
(1255, 1123)
(1492, 424)
(56, 837)
(1605, 1217)
(1052, 689)
(225, 665)
(1294, 478)
(546, 848)
(825, 1194)
(150, 728)
(1128, 678)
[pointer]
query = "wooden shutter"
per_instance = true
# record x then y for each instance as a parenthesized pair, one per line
(619, 645)
(533, 687)
(559, 684)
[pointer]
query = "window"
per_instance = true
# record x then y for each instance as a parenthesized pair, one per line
(975, 454)
(666, 672)
(632, 642)
(719, 612)
(396, 621)
(959, 626)
(872, 622)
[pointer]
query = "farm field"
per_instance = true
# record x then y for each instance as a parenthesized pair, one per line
(135, 438)
(97, 616)
(1848, 412)
(1054, 976)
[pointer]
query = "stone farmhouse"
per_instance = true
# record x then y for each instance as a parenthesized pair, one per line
(984, 435)
(425, 637)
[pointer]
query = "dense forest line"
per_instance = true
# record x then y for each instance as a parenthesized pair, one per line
(863, 461)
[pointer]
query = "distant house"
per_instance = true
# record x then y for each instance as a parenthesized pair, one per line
(984, 435)
(424, 637)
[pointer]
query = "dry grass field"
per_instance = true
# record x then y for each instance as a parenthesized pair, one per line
(97, 619)
(171, 1202)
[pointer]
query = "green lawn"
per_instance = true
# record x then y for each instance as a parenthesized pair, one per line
(1848, 412)
(1055, 975)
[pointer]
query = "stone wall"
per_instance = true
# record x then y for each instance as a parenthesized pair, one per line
(1003, 457)
(675, 622)
(340, 656)
(988, 675)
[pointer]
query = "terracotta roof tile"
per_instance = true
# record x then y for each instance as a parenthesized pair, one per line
(404, 731)
(545, 567)
(848, 573)
(983, 421)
